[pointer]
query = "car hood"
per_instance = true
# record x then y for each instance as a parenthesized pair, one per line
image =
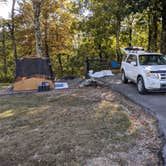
(155, 68)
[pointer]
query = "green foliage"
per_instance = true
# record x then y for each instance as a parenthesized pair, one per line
(74, 30)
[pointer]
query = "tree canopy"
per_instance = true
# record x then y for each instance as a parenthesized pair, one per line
(70, 31)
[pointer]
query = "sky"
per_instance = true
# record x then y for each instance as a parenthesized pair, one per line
(5, 9)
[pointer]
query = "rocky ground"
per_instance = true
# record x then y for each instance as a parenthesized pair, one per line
(73, 127)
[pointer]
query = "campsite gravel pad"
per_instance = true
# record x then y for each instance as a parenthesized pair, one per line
(90, 127)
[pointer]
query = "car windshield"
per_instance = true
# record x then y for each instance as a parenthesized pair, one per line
(154, 59)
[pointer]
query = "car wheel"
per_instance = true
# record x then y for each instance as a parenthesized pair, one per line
(141, 86)
(123, 77)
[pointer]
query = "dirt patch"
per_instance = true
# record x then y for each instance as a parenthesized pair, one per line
(92, 126)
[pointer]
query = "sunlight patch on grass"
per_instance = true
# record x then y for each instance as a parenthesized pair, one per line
(104, 105)
(6, 114)
(114, 122)
(106, 108)
(115, 129)
(35, 111)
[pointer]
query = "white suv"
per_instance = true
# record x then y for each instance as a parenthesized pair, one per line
(147, 70)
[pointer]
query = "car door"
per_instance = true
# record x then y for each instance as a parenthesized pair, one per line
(132, 67)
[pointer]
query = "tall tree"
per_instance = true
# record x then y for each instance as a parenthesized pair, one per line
(36, 10)
(11, 26)
(153, 12)
(163, 35)
(45, 20)
(12, 30)
(3, 40)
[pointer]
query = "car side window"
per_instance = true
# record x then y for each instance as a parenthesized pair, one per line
(132, 58)
(124, 57)
(123, 54)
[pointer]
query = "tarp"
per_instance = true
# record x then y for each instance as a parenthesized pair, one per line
(29, 67)
(61, 85)
(100, 74)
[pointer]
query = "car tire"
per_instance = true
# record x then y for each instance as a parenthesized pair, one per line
(123, 77)
(141, 86)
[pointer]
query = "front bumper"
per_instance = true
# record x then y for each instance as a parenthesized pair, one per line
(155, 84)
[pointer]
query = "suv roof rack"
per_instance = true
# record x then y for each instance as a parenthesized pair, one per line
(134, 48)
(128, 50)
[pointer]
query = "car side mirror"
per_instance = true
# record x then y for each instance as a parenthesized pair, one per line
(133, 63)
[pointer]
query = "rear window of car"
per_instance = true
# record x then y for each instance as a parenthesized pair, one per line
(131, 58)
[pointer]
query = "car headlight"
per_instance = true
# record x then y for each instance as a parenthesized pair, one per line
(152, 75)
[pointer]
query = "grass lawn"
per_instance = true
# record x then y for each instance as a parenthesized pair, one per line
(74, 128)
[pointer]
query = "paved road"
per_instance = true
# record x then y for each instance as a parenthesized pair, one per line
(153, 102)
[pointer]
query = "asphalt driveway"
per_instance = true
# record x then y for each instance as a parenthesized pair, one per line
(155, 103)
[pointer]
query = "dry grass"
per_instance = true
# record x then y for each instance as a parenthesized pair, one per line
(76, 127)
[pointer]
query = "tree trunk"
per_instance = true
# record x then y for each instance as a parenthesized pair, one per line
(155, 32)
(4, 53)
(46, 38)
(12, 31)
(36, 11)
(131, 20)
(100, 51)
(163, 34)
(130, 36)
(149, 31)
(87, 68)
(60, 64)
(118, 42)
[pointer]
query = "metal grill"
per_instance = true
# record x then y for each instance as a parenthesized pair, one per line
(163, 76)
